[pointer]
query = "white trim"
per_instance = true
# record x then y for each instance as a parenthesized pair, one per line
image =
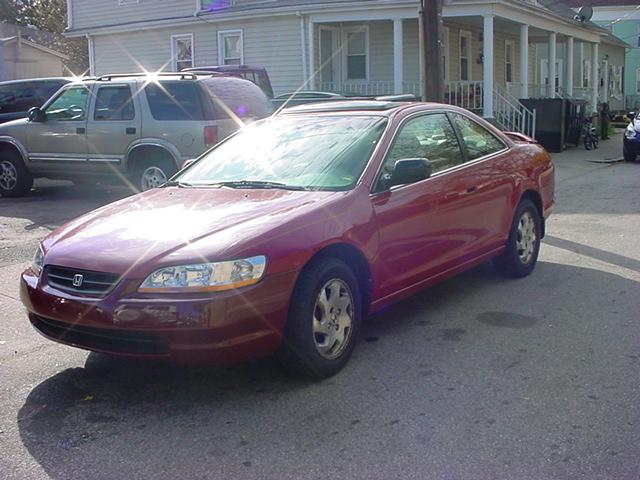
(312, 55)
(174, 53)
(467, 34)
(398, 52)
(638, 81)
(488, 65)
(570, 56)
(128, 2)
(446, 53)
(303, 50)
(92, 55)
(510, 43)
(524, 61)
(221, 35)
(344, 32)
(69, 14)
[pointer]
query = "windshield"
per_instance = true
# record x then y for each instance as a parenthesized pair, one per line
(322, 152)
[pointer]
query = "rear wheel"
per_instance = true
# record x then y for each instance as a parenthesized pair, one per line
(323, 321)
(628, 156)
(15, 178)
(153, 173)
(521, 252)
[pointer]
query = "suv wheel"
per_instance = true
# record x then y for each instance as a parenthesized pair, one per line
(15, 179)
(152, 174)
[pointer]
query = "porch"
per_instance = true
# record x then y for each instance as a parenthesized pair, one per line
(379, 53)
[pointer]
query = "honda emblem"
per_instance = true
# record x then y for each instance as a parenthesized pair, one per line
(77, 280)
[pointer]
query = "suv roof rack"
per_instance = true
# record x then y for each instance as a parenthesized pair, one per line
(182, 75)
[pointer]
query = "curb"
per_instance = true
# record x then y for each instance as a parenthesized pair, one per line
(608, 160)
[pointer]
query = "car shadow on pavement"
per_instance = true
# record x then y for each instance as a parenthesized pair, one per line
(116, 418)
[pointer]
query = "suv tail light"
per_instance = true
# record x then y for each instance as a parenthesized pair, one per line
(210, 135)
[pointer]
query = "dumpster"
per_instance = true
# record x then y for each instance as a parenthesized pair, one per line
(551, 121)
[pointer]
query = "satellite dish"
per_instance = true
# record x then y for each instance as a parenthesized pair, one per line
(584, 14)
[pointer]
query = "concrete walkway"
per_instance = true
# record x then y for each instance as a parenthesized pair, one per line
(609, 151)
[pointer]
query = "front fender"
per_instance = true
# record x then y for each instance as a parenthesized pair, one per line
(17, 144)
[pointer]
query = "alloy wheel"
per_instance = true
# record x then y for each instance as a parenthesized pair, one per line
(8, 175)
(527, 237)
(152, 177)
(333, 318)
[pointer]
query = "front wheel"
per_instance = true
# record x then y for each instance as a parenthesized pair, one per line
(628, 156)
(523, 245)
(15, 179)
(324, 317)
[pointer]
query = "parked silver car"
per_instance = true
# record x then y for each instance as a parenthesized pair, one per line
(138, 129)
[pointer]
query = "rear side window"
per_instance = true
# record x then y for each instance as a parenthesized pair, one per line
(21, 97)
(114, 103)
(478, 141)
(175, 100)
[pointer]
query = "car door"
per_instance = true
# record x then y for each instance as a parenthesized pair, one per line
(427, 227)
(114, 123)
(61, 138)
(488, 171)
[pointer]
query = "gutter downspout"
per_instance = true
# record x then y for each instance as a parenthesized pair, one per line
(69, 14)
(92, 58)
(303, 48)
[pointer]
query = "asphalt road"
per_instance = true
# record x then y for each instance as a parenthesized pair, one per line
(477, 378)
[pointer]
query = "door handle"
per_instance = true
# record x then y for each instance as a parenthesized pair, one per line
(81, 130)
(130, 131)
(471, 189)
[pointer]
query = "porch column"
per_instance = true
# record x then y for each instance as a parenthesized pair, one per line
(397, 56)
(487, 70)
(570, 66)
(594, 78)
(312, 56)
(551, 68)
(524, 61)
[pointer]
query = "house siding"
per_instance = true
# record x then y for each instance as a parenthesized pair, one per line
(272, 42)
(94, 13)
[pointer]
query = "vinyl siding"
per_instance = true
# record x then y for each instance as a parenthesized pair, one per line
(93, 13)
(273, 43)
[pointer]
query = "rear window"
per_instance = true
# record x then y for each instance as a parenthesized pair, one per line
(175, 100)
(20, 97)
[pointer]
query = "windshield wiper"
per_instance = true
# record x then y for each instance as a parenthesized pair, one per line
(256, 184)
(177, 183)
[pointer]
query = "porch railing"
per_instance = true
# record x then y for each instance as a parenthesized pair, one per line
(358, 88)
(464, 94)
(512, 115)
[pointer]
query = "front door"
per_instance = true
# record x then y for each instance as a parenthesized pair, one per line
(62, 138)
(423, 226)
(114, 124)
(329, 58)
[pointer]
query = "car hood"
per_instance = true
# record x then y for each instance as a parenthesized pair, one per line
(13, 126)
(170, 226)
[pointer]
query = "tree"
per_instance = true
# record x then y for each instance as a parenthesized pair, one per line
(47, 16)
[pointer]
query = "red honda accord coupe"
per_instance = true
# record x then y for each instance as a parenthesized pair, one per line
(286, 235)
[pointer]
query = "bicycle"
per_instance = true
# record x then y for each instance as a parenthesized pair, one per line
(590, 136)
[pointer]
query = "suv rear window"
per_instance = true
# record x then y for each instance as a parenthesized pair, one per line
(175, 100)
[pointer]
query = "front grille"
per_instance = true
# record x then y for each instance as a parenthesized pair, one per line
(101, 339)
(87, 282)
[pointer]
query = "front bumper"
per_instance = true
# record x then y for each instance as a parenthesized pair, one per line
(219, 327)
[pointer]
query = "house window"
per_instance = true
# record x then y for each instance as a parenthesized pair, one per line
(465, 55)
(586, 73)
(230, 47)
(182, 51)
(356, 53)
(445, 53)
(509, 52)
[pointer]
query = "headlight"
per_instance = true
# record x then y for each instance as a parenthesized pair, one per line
(38, 261)
(630, 132)
(206, 277)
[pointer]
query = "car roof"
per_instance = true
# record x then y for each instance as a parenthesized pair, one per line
(381, 106)
(31, 80)
(223, 68)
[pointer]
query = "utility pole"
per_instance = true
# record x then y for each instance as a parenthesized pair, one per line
(431, 35)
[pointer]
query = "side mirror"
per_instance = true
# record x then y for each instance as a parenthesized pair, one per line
(631, 115)
(36, 115)
(410, 170)
(187, 163)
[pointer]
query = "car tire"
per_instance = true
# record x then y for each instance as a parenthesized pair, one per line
(523, 245)
(15, 179)
(323, 321)
(153, 173)
(628, 156)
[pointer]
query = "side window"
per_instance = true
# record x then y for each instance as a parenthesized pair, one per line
(114, 103)
(478, 140)
(429, 136)
(70, 105)
(174, 100)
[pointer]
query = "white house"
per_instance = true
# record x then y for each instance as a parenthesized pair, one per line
(363, 46)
